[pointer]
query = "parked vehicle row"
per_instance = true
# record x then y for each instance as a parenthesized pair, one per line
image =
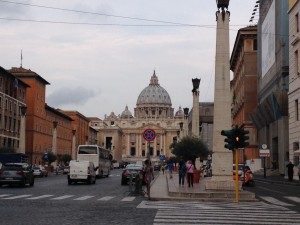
(17, 173)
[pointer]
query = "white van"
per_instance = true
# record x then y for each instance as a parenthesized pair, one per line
(82, 171)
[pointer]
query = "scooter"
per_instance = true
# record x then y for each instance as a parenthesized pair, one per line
(249, 179)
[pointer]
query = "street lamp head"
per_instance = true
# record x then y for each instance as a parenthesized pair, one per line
(196, 83)
(181, 125)
(186, 111)
(23, 109)
(55, 124)
(222, 4)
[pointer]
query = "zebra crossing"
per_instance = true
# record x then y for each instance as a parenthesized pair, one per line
(64, 197)
(176, 212)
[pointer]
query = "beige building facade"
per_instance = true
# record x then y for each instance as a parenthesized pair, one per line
(123, 134)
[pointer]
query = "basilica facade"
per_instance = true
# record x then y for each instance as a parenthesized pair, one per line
(123, 134)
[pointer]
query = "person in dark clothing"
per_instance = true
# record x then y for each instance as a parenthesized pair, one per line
(181, 172)
(290, 167)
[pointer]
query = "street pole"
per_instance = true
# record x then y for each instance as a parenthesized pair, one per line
(148, 155)
(265, 175)
(236, 176)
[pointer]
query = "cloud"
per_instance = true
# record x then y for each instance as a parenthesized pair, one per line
(70, 96)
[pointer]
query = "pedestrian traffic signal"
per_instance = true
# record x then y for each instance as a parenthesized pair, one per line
(243, 137)
(230, 134)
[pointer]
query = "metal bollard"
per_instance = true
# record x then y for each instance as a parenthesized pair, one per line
(138, 184)
(130, 183)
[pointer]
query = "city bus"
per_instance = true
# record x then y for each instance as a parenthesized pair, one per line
(99, 156)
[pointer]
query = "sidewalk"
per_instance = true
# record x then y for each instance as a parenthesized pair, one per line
(164, 188)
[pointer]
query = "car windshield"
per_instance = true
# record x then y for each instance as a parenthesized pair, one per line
(13, 167)
(134, 167)
(240, 167)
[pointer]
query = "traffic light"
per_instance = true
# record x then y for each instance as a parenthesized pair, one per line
(243, 137)
(230, 134)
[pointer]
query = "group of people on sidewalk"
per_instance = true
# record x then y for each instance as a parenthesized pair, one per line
(290, 168)
(184, 169)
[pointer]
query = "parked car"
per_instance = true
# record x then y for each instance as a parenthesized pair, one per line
(66, 169)
(130, 171)
(241, 169)
(40, 171)
(157, 166)
(16, 173)
(82, 171)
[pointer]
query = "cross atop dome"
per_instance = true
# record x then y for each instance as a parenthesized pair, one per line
(154, 79)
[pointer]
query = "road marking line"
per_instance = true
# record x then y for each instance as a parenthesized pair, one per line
(1, 196)
(275, 201)
(293, 198)
(106, 198)
(127, 199)
(62, 197)
(84, 198)
(39, 197)
(18, 196)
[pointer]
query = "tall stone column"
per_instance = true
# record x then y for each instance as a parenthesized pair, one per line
(195, 114)
(74, 150)
(221, 158)
(22, 130)
(54, 140)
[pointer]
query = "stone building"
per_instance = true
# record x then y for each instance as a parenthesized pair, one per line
(12, 99)
(47, 129)
(123, 134)
(271, 115)
(294, 81)
(243, 64)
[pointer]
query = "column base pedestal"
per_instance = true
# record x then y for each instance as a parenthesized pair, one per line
(222, 183)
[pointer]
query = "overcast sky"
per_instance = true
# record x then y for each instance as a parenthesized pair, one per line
(98, 55)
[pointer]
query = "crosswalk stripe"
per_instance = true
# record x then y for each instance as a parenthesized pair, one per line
(292, 198)
(18, 196)
(84, 198)
(62, 197)
(106, 198)
(39, 197)
(127, 199)
(5, 195)
(275, 201)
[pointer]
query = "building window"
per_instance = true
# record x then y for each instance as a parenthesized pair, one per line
(296, 110)
(132, 151)
(295, 145)
(157, 153)
(255, 44)
(143, 153)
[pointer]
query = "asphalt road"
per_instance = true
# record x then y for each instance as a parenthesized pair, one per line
(52, 201)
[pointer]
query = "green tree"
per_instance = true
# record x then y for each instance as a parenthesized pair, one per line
(190, 148)
(51, 157)
(66, 158)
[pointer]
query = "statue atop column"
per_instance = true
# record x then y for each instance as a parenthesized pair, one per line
(222, 4)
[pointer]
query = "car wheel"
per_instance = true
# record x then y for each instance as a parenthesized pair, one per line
(123, 182)
(32, 182)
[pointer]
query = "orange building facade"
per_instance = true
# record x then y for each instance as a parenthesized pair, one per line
(243, 64)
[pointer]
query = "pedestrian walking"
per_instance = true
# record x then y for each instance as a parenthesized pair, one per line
(290, 167)
(190, 173)
(149, 176)
(163, 167)
(181, 172)
(170, 169)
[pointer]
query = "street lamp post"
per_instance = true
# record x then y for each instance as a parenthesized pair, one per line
(195, 112)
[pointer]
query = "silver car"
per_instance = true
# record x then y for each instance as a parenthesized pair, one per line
(16, 173)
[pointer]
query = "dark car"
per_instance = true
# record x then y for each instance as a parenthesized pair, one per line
(16, 173)
(131, 171)
(157, 166)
